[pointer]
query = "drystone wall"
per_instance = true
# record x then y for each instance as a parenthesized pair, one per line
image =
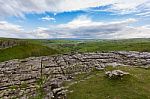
(21, 79)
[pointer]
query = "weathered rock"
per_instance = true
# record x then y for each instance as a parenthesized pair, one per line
(59, 93)
(99, 68)
(56, 69)
(116, 73)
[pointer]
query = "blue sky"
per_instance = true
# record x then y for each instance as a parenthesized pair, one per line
(82, 19)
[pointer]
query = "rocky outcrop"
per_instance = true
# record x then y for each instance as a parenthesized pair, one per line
(11, 43)
(116, 73)
(22, 78)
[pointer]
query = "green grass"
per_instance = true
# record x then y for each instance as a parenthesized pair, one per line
(100, 45)
(135, 86)
(35, 47)
(27, 50)
(113, 46)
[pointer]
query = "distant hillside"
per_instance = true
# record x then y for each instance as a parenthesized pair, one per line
(26, 50)
(22, 48)
(100, 45)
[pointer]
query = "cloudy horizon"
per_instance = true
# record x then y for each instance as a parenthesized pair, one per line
(76, 19)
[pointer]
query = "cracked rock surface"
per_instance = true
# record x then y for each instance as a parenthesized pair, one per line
(20, 77)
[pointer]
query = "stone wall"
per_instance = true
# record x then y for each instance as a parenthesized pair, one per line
(22, 78)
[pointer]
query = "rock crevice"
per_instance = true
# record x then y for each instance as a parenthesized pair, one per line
(21, 77)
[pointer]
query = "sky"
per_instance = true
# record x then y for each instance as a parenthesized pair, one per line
(75, 19)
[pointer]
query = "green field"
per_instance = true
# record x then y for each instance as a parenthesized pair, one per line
(134, 86)
(100, 45)
(34, 47)
(27, 50)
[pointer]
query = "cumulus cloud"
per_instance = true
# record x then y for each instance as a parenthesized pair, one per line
(9, 26)
(41, 32)
(20, 7)
(127, 6)
(84, 28)
(123, 7)
(81, 27)
(133, 32)
(13, 31)
(48, 18)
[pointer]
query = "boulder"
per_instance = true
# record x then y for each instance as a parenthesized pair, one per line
(59, 93)
(116, 73)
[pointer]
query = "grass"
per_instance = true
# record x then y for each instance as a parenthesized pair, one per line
(34, 47)
(135, 86)
(27, 50)
(141, 45)
(113, 46)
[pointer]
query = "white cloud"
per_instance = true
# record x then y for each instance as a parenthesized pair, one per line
(5, 26)
(48, 18)
(143, 14)
(81, 27)
(40, 32)
(84, 28)
(19, 7)
(13, 31)
(122, 7)
(133, 32)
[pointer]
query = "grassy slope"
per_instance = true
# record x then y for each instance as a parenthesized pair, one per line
(135, 86)
(100, 45)
(114, 46)
(48, 47)
(27, 50)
